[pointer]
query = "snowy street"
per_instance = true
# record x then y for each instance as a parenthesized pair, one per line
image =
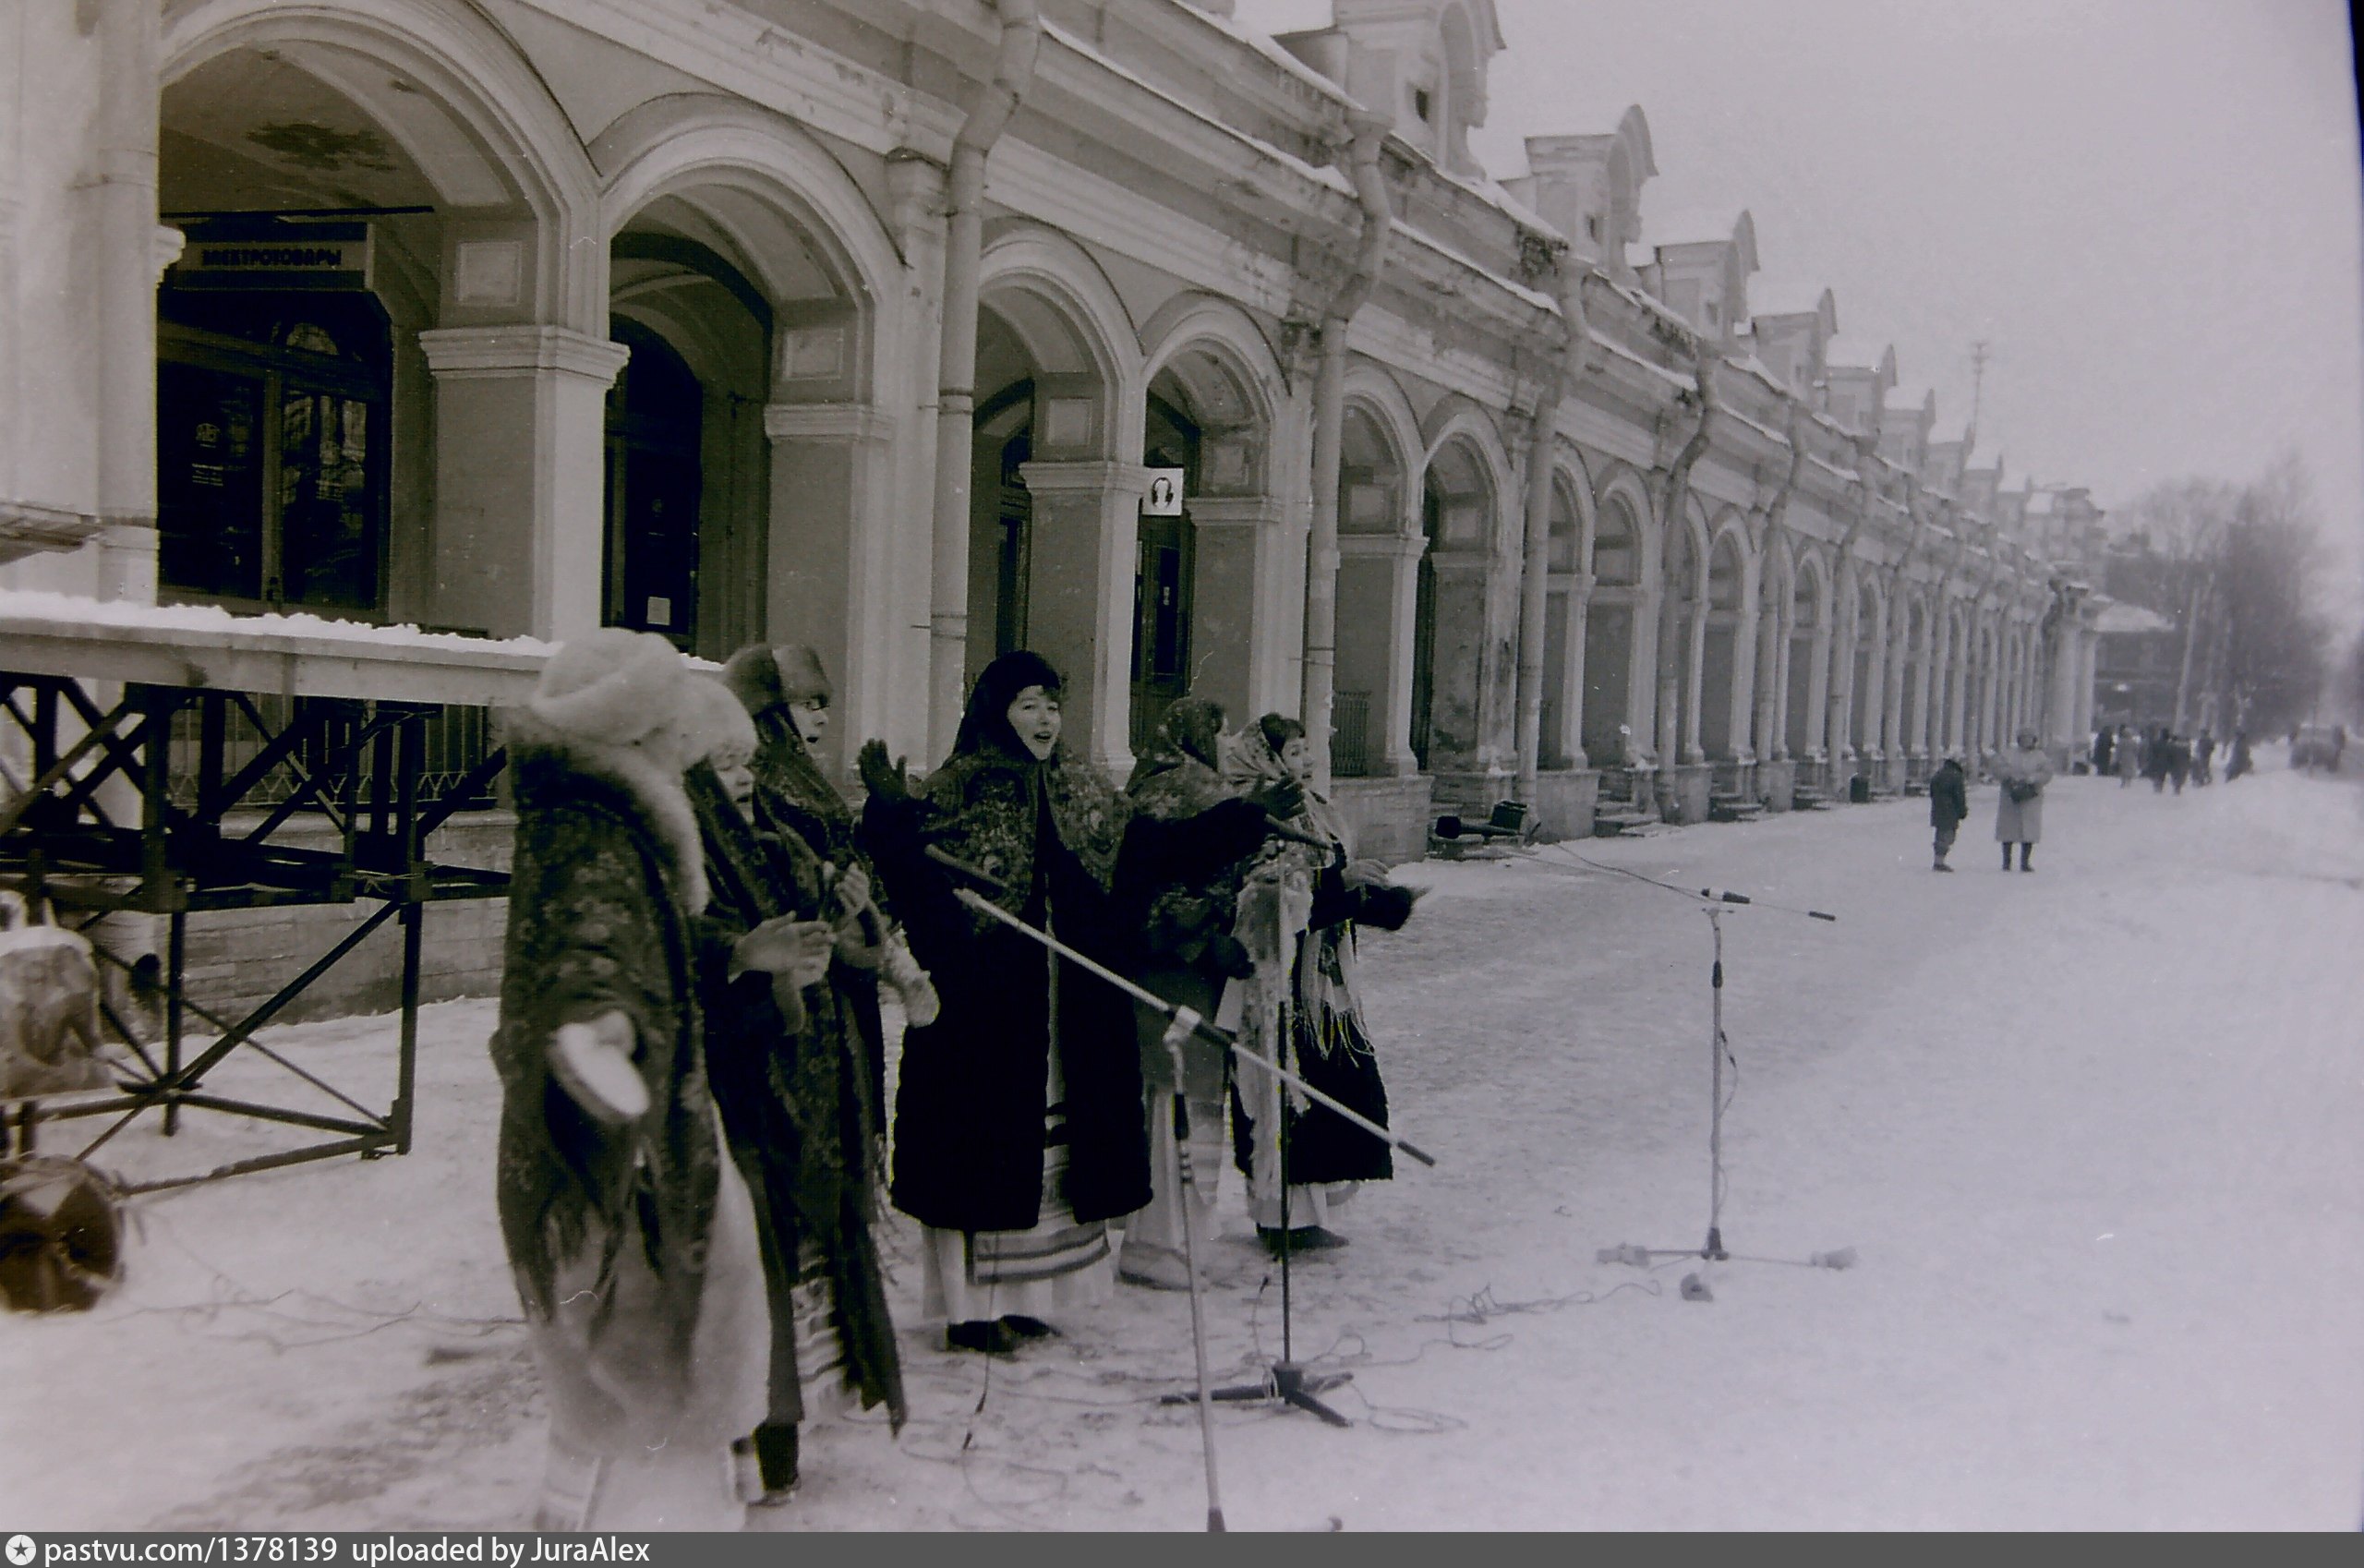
(2090, 1132)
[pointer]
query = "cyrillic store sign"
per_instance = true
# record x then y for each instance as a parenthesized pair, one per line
(242, 254)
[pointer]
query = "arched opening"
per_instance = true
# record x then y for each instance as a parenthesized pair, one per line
(1722, 718)
(1448, 618)
(1609, 634)
(1371, 546)
(1680, 593)
(1863, 706)
(655, 422)
(1163, 571)
(290, 396)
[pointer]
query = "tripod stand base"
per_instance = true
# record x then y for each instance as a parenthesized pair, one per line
(1288, 1383)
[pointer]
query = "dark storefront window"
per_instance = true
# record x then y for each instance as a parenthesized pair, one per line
(270, 450)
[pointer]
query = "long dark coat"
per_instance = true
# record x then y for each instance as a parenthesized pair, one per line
(795, 1105)
(1949, 796)
(603, 883)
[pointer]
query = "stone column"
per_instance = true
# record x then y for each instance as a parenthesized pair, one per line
(1839, 742)
(1819, 656)
(1892, 683)
(825, 570)
(520, 535)
(1667, 712)
(1569, 741)
(1237, 542)
(1924, 738)
(1079, 595)
(1766, 681)
(1694, 642)
(1385, 569)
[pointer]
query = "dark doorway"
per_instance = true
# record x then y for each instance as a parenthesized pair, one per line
(655, 420)
(1424, 624)
(1162, 571)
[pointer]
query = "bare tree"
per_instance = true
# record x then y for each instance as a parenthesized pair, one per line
(2272, 647)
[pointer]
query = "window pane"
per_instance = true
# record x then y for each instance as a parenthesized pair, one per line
(209, 480)
(330, 477)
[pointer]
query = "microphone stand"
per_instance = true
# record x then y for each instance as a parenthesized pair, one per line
(1287, 1381)
(1712, 903)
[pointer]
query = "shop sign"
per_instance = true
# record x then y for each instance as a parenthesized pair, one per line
(277, 255)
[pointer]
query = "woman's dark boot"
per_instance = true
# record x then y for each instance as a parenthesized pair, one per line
(2007, 857)
(2025, 850)
(775, 1462)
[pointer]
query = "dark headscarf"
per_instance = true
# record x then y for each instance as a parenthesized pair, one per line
(985, 801)
(1180, 774)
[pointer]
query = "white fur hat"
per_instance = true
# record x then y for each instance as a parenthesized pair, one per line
(716, 718)
(610, 687)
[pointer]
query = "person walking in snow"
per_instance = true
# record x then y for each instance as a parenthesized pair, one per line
(1948, 804)
(2178, 761)
(629, 1230)
(2102, 750)
(2239, 760)
(2158, 753)
(2128, 755)
(2022, 770)
(2201, 752)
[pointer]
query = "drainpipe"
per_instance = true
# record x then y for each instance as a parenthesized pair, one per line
(996, 105)
(1665, 726)
(1534, 579)
(1370, 132)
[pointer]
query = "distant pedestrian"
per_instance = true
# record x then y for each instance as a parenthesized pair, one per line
(2338, 745)
(2102, 750)
(2127, 755)
(2238, 762)
(2024, 770)
(1948, 804)
(2201, 752)
(2155, 752)
(2178, 761)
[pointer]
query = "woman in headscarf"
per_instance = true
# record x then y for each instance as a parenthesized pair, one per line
(2024, 770)
(787, 692)
(1323, 1036)
(1186, 916)
(787, 1072)
(1019, 1132)
(631, 1237)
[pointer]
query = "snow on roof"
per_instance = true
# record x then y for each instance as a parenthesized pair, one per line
(1535, 297)
(1257, 33)
(1672, 377)
(1329, 177)
(2121, 616)
(1281, 16)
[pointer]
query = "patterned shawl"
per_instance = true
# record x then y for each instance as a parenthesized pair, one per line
(1176, 776)
(985, 802)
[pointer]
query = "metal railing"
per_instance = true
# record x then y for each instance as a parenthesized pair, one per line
(1350, 734)
(457, 741)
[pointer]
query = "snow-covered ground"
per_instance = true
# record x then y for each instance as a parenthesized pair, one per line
(2093, 1134)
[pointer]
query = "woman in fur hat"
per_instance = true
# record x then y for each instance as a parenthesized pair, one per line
(631, 1237)
(1018, 1115)
(787, 692)
(1327, 1040)
(1189, 954)
(787, 1072)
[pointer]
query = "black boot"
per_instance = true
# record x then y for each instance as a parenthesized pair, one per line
(2025, 850)
(775, 1462)
(2007, 857)
(991, 1337)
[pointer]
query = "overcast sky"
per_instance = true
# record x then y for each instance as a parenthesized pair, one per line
(2149, 208)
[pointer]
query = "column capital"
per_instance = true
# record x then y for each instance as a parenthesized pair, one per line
(849, 422)
(1085, 474)
(1382, 547)
(1235, 512)
(520, 348)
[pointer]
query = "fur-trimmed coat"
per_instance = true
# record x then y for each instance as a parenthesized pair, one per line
(613, 1233)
